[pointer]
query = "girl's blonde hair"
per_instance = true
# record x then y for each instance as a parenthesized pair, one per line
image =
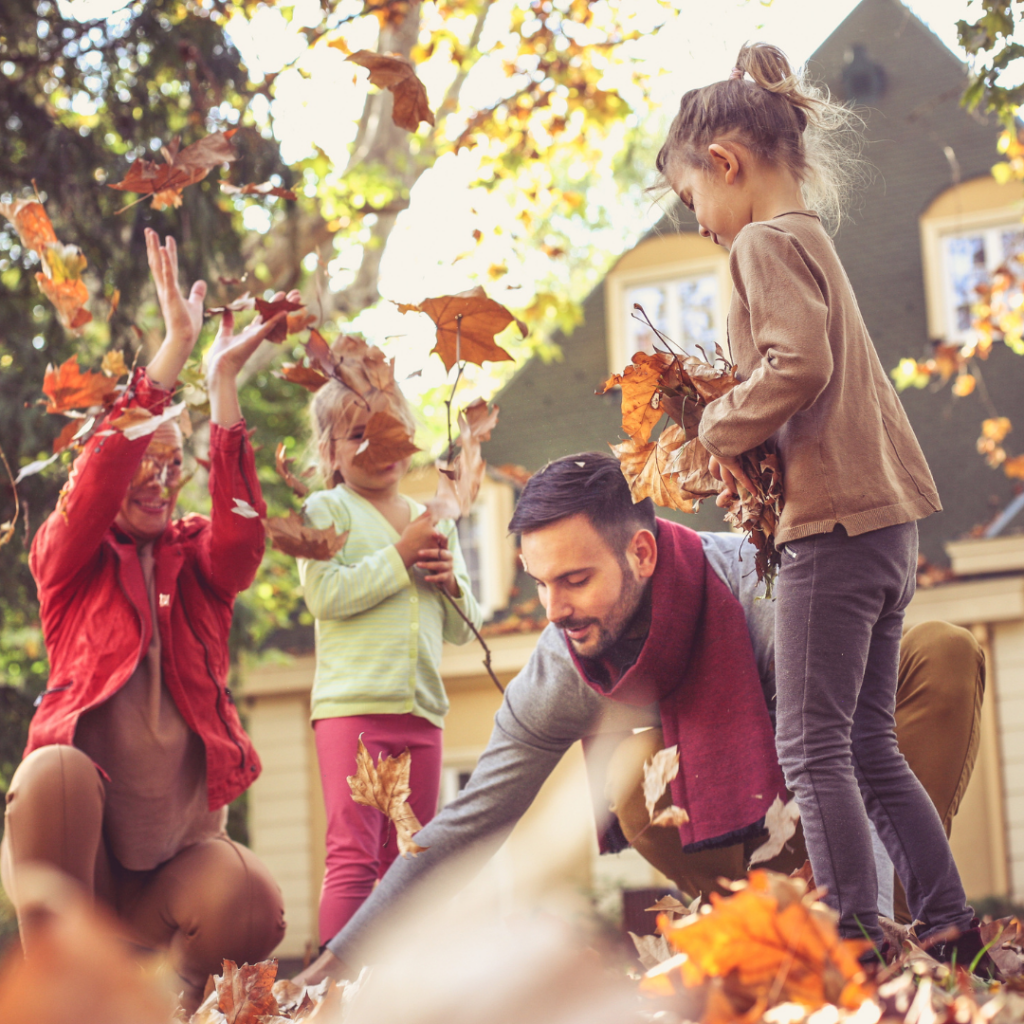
(781, 118)
(333, 410)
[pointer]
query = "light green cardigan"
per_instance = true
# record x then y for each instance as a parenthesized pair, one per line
(379, 627)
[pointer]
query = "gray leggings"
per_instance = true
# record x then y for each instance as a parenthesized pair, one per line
(839, 618)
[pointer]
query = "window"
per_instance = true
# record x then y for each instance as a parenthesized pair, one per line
(685, 309)
(682, 281)
(968, 259)
(966, 233)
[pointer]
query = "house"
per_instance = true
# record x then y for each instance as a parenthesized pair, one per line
(930, 223)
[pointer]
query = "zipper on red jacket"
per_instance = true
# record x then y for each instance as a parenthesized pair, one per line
(183, 605)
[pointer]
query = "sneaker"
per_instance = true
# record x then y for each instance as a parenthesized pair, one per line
(968, 951)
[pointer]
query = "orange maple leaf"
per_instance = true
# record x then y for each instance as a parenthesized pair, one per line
(385, 441)
(772, 943)
(397, 74)
(165, 182)
(31, 222)
(68, 298)
(244, 993)
(292, 536)
(68, 388)
(466, 326)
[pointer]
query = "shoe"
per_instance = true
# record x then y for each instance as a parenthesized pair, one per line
(968, 951)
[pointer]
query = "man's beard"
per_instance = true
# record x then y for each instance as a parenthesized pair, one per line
(609, 631)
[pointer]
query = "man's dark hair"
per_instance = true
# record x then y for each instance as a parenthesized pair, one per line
(590, 484)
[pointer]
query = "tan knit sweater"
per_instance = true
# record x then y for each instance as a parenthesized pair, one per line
(813, 384)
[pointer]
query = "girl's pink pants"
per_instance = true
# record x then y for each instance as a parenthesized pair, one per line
(361, 843)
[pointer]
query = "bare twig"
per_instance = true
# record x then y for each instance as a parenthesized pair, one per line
(476, 633)
(451, 398)
(7, 529)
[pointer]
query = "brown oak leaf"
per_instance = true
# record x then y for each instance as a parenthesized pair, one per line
(386, 787)
(466, 326)
(68, 388)
(396, 73)
(644, 466)
(459, 480)
(385, 441)
(183, 167)
(292, 536)
(244, 993)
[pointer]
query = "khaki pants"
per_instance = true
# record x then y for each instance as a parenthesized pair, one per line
(212, 901)
(938, 723)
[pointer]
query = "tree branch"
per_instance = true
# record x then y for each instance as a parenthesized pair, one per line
(476, 633)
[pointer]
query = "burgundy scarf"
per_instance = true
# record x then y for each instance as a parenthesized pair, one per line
(698, 665)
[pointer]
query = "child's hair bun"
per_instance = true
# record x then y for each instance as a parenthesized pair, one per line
(769, 68)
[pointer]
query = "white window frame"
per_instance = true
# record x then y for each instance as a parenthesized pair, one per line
(619, 281)
(934, 232)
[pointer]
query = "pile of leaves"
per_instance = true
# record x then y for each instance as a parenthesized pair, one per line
(669, 389)
(771, 952)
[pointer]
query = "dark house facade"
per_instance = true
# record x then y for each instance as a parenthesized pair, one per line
(916, 239)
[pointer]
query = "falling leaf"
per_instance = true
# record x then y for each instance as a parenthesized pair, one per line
(396, 73)
(781, 821)
(136, 422)
(645, 468)
(1014, 468)
(386, 441)
(32, 223)
(113, 364)
(68, 387)
(300, 320)
(244, 993)
(671, 817)
(466, 326)
(651, 949)
(281, 461)
(165, 182)
(267, 188)
(306, 377)
(35, 467)
(268, 310)
(115, 301)
(68, 298)
(662, 768)
(244, 509)
(66, 436)
(996, 428)
(386, 787)
(292, 536)
(241, 304)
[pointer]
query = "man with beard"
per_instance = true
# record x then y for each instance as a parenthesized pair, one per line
(657, 639)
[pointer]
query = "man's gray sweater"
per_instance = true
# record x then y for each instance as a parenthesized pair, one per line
(547, 708)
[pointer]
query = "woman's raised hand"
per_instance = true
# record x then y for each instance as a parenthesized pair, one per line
(182, 317)
(229, 353)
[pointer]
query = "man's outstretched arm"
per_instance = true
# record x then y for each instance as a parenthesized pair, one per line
(546, 709)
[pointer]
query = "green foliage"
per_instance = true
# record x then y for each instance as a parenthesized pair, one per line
(989, 42)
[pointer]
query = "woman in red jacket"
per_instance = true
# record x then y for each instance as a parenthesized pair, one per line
(136, 747)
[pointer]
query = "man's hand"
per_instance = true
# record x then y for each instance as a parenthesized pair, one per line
(439, 564)
(731, 472)
(228, 354)
(182, 317)
(326, 965)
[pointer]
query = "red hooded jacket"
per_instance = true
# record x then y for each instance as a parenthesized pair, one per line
(95, 609)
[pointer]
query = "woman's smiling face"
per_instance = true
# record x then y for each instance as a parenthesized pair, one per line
(149, 501)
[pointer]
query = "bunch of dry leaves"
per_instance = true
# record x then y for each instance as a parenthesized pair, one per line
(672, 469)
